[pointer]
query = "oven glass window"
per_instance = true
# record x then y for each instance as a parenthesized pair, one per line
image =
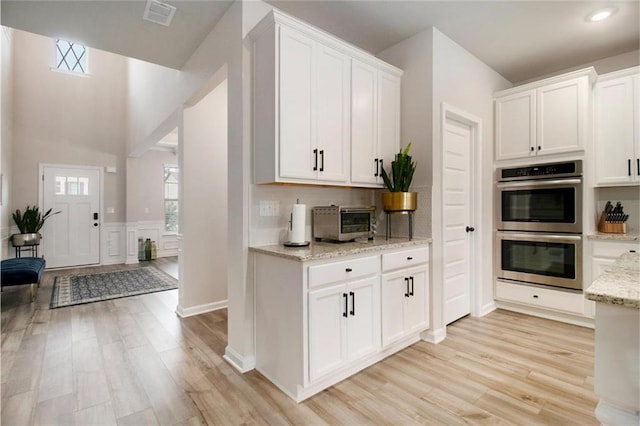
(553, 205)
(540, 258)
(351, 222)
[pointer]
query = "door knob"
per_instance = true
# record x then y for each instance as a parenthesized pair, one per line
(95, 224)
(470, 229)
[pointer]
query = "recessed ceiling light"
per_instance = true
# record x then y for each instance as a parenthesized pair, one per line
(601, 14)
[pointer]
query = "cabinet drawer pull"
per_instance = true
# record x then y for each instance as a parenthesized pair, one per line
(406, 281)
(348, 270)
(377, 167)
(381, 167)
(411, 292)
(409, 258)
(346, 304)
(535, 296)
(353, 303)
(629, 166)
(638, 165)
(322, 160)
(315, 161)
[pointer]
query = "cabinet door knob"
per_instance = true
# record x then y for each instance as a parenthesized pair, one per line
(539, 147)
(532, 149)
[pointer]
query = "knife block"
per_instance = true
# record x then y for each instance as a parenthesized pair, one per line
(610, 227)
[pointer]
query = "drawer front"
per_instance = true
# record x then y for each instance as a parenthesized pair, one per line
(343, 270)
(405, 258)
(541, 298)
(613, 249)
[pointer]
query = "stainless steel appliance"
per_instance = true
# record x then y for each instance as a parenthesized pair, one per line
(540, 258)
(343, 223)
(545, 198)
(539, 223)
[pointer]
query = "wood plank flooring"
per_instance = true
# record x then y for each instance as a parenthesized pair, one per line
(132, 361)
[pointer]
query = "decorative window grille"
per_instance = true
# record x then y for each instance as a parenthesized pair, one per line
(170, 198)
(71, 57)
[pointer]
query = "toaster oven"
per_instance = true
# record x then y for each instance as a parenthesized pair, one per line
(343, 223)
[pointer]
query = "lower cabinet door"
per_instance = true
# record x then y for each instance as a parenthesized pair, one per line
(395, 289)
(363, 323)
(328, 312)
(417, 302)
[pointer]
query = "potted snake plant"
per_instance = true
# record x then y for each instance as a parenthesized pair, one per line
(399, 198)
(29, 223)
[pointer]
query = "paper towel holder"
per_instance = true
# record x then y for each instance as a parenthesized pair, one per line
(292, 243)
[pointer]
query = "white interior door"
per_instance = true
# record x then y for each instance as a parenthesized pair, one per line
(72, 237)
(457, 214)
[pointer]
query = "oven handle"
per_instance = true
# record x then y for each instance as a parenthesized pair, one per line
(537, 237)
(530, 183)
(358, 210)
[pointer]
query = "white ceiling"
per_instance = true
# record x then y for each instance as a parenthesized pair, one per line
(520, 39)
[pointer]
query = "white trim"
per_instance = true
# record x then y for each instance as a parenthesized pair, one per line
(547, 314)
(240, 363)
(486, 309)
(475, 156)
(200, 309)
(434, 336)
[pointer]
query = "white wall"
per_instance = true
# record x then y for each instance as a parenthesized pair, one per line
(204, 215)
(6, 135)
(149, 177)
(67, 119)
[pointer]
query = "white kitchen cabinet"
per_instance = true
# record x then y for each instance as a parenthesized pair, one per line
(543, 118)
(302, 104)
(617, 131)
(375, 122)
(404, 303)
(319, 321)
(344, 325)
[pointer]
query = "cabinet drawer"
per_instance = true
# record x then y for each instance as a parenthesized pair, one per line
(405, 258)
(343, 270)
(613, 249)
(541, 298)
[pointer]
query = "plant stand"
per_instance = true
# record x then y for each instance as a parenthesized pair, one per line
(409, 214)
(33, 248)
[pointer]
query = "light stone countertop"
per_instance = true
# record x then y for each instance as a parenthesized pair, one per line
(613, 237)
(326, 250)
(620, 285)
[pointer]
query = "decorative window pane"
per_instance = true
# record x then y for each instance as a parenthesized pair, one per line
(61, 185)
(71, 185)
(71, 57)
(171, 199)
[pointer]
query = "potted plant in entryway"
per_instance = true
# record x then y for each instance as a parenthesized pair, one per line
(399, 198)
(29, 223)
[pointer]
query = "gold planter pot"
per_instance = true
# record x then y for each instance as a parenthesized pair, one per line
(399, 201)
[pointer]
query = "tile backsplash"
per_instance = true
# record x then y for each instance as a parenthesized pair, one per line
(630, 199)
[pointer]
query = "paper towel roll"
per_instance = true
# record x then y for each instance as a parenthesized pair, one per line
(298, 223)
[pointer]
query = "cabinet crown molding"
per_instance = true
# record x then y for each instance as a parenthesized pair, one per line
(589, 72)
(620, 73)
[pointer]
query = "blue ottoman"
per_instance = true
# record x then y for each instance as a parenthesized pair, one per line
(22, 270)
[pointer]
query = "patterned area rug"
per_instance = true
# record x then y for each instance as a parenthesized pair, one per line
(77, 289)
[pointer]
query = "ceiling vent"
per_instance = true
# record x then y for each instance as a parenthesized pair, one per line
(158, 12)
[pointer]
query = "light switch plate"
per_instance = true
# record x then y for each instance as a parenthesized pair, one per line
(269, 208)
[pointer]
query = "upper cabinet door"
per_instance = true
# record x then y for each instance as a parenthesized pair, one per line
(388, 120)
(515, 125)
(296, 121)
(614, 131)
(364, 129)
(333, 129)
(562, 113)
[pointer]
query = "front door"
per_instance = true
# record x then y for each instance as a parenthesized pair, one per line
(457, 217)
(72, 237)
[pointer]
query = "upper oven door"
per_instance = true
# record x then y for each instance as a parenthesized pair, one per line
(543, 205)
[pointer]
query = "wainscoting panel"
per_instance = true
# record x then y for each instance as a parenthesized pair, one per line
(113, 243)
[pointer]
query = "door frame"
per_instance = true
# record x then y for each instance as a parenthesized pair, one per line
(449, 112)
(99, 169)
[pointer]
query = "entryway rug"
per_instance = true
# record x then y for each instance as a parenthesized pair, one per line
(78, 289)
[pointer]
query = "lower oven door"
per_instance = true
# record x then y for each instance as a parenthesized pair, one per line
(548, 259)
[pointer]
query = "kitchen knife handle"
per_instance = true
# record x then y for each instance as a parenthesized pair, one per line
(315, 161)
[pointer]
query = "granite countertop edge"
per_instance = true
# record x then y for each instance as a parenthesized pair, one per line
(619, 285)
(325, 250)
(613, 237)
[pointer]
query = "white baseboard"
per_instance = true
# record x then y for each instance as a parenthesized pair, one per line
(434, 336)
(542, 313)
(237, 361)
(200, 309)
(488, 308)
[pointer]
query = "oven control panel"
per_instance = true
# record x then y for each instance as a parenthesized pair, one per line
(541, 171)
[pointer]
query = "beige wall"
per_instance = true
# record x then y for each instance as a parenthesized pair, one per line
(203, 215)
(6, 136)
(67, 119)
(148, 205)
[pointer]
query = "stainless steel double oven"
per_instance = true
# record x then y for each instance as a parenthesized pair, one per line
(539, 223)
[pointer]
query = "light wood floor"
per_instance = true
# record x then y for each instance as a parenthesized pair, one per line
(132, 361)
